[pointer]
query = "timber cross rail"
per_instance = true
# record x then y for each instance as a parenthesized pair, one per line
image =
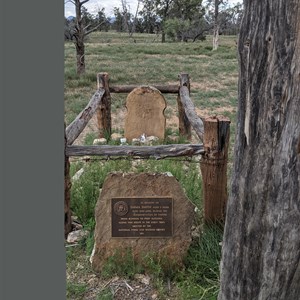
(212, 131)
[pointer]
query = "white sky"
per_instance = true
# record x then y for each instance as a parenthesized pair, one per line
(94, 5)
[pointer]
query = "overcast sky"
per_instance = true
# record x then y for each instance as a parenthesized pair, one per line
(94, 5)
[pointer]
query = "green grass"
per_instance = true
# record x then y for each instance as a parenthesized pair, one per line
(147, 62)
(213, 76)
(200, 279)
(105, 294)
(76, 290)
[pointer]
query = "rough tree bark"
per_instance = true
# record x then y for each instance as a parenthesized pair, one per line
(67, 194)
(261, 246)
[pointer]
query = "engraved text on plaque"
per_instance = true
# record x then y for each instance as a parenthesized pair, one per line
(142, 217)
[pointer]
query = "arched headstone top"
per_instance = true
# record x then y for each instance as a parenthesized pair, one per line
(145, 113)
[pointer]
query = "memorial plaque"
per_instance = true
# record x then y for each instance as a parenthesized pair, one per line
(142, 217)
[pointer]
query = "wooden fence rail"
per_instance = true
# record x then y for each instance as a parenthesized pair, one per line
(76, 127)
(188, 108)
(158, 152)
(165, 89)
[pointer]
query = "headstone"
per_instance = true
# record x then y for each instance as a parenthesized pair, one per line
(145, 113)
(146, 213)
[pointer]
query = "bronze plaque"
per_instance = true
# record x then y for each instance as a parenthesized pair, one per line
(142, 217)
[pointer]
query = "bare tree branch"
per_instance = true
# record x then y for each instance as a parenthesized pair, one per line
(93, 29)
(86, 27)
(82, 2)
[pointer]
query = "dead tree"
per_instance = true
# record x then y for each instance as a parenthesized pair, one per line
(81, 30)
(261, 245)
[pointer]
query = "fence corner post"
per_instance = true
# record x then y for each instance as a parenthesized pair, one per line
(104, 110)
(67, 194)
(184, 123)
(213, 167)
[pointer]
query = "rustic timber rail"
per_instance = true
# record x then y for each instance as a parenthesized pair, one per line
(212, 131)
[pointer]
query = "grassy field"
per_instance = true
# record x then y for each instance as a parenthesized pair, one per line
(213, 76)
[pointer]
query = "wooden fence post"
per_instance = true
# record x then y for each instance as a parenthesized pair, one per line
(214, 167)
(67, 208)
(184, 123)
(104, 110)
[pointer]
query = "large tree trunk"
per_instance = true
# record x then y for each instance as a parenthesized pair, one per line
(261, 246)
(163, 36)
(80, 51)
(79, 38)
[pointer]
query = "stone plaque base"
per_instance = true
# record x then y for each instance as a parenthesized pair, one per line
(175, 210)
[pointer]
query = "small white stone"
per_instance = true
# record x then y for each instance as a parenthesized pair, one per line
(123, 140)
(116, 136)
(145, 279)
(101, 141)
(150, 140)
(77, 174)
(169, 174)
(135, 142)
(143, 138)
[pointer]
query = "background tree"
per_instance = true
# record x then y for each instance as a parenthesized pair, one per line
(103, 20)
(261, 246)
(118, 23)
(69, 28)
(214, 9)
(230, 19)
(135, 19)
(125, 15)
(82, 27)
(163, 9)
(186, 14)
(149, 16)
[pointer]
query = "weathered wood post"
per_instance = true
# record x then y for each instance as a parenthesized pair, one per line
(214, 167)
(104, 109)
(67, 208)
(184, 123)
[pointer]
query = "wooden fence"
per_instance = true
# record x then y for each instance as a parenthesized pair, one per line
(213, 132)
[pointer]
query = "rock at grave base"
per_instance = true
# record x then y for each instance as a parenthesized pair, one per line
(150, 140)
(142, 185)
(116, 136)
(135, 142)
(76, 236)
(101, 141)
